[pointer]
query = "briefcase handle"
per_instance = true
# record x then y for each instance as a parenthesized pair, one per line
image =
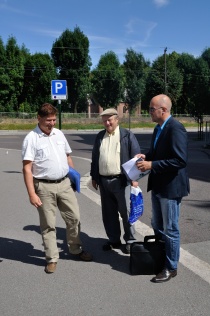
(155, 237)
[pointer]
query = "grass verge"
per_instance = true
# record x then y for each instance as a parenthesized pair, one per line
(80, 126)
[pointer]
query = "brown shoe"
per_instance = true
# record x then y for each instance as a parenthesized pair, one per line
(50, 267)
(84, 256)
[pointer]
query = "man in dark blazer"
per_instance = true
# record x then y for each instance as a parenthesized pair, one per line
(168, 180)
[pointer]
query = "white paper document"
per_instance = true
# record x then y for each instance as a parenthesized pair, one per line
(131, 170)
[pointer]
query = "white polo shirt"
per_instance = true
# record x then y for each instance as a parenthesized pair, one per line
(48, 153)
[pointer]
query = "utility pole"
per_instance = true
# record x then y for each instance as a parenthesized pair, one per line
(165, 81)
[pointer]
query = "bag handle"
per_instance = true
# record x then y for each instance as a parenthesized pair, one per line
(155, 237)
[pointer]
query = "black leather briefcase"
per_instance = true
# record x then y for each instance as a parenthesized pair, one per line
(148, 256)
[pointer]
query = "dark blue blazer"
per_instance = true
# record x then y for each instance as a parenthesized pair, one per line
(168, 176)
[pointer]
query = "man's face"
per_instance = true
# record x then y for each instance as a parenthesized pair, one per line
(156, 111)
(47, 123)
(110, 123)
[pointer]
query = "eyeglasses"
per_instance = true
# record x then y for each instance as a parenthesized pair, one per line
(154, 109)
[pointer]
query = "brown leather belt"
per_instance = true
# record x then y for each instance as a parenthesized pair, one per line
(52, 181)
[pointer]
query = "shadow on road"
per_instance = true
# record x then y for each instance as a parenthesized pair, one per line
(116, 259)
(18, 250)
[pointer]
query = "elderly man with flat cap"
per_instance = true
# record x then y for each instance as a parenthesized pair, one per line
(114, 146)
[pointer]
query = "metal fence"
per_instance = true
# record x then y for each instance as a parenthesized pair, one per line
(24, 115)
(18, 115)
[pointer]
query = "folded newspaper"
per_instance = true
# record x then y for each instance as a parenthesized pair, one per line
(131, 170)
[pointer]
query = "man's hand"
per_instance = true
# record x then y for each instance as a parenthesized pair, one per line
(142, 156)
(144, 165)
(95, 184)
(134, 184)
(35, 200)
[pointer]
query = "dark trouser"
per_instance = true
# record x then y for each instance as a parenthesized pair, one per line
(113, 202)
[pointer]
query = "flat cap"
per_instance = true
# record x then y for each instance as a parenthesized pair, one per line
(110, 112)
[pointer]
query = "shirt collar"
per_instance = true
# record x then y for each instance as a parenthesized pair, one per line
(162, 126)
(113, 133)
(42, 134)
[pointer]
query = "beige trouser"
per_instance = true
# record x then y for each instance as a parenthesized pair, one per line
(58, 196)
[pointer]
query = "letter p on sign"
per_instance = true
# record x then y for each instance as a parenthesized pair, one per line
(58, 86)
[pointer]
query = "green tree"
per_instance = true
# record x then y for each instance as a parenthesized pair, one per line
(70, 53)
(4, 78)
(107, 81)
(135, 71)
(39, 72)
(174, 81)
(14, 69)
(187, 65)
(165, 77)
(201, 95)
(206, 56)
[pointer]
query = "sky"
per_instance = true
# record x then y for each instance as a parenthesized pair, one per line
(146, 26)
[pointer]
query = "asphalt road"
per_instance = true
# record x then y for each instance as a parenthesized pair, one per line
(102, 287)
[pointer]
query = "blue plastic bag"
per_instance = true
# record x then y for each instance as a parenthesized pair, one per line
(136, 204)
(74, 177)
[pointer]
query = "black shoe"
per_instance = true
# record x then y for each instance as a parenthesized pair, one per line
(112, 245)
(164, 276)
(127, 248)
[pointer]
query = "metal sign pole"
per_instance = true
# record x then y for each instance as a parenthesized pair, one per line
(59, 108)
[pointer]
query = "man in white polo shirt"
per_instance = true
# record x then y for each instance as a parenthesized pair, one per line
(46, 160)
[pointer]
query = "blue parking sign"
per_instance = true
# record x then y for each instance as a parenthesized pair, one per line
(58, 90)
